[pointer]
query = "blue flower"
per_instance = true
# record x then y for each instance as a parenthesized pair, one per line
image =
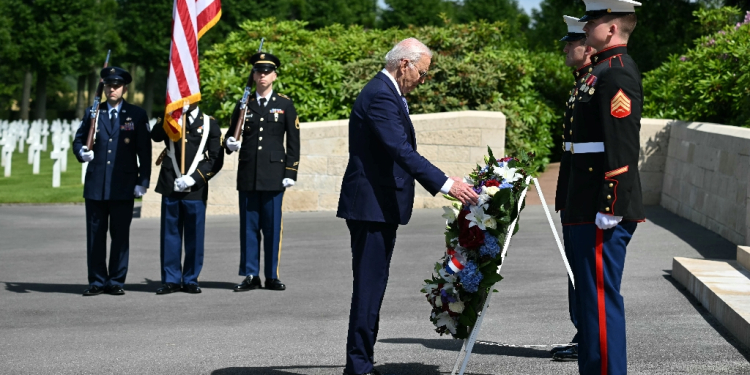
(505, 185)
(470, 277)
(490, 247)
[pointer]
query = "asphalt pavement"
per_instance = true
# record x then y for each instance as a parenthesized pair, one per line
(47, 327)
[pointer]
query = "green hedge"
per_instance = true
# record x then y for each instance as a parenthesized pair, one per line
(476, 66)
(711, 81)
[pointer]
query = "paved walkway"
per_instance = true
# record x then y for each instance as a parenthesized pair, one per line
(47, 327)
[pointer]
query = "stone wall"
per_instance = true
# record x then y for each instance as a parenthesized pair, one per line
(652, 158)
(706, 177)
(454, 141)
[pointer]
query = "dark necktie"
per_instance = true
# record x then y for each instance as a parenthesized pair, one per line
(403, 99)
(113, 118)
(262, 102)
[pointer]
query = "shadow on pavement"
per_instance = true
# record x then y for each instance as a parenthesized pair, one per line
(385, 369)
(480, 347)
(709, 245)
(148, 286)
(708, 317)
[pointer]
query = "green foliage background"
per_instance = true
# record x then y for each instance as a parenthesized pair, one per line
(475, 66)
(711, 81)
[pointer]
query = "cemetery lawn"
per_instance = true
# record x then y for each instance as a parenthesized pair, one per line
(25, 187)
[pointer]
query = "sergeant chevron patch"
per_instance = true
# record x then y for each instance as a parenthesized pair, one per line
(620, 105)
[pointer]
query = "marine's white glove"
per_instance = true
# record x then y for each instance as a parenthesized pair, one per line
(139, 191)
(233, 144)
(182, 183)
(605, 222)
(86, 155)
(288, 182)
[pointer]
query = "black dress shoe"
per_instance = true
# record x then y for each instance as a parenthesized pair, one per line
(560, 348)
(567, 355)
(114, 290)
(275, 284)
(373, 372)
(93, 291)
(250, 283)
(168, 288)
(191, 288)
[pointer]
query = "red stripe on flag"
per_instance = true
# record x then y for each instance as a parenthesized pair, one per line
(190, 37)
(207, 15)
(600, 299)
(179, 72)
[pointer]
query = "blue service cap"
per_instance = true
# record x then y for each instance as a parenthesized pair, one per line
(115, 75)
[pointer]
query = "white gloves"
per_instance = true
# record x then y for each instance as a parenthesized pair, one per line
(233, 144)
(605, 222)
(86, 155)
(288, 182)
(139, 191)
(183, 183)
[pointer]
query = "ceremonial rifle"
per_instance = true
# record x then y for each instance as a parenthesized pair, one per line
(95, 109)
(243, 103)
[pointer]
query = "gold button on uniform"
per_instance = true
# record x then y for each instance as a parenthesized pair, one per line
(591, 169)
(260, 138)
(110, 139)
(571, 119)
(261, 129)
(611, 185)
(260, 147)
(606, 209)
(107, 161)
(571, 131)
(609, 197)
(261, 119)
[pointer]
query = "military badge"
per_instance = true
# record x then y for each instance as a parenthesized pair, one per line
(591, 80)
(296, 123)
(129, 119)
(276, 110)
(200, 130)
(128, 126)
(591, 91)
(620, 105)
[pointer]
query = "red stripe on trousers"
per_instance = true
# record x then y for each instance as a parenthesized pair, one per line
(600, 299)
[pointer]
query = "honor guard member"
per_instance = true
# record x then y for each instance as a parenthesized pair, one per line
(183, 201)
(577, 56)
(118, 171)
(266, 168)
(604, 201)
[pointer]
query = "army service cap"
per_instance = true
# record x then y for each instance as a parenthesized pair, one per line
(575, 29)
(264, 62)
(115, 76)
(598, 8)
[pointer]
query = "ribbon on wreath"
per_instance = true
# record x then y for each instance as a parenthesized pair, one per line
(455, 262)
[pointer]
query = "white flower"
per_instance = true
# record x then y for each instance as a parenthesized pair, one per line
(438, 301)
(508, 175)
(477, 217)
(489, 222)
(491, 191)
(456, 307)
(450, 215)
(443, 319)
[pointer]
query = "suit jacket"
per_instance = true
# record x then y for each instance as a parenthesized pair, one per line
(378, 184)
(608, 107)
(118, 147)
(212, 158)
(264, 162)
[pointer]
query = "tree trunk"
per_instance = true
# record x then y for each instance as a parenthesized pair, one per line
(148, 95)
(26, 96)
(131, 86)
(81, 100)
(40, 112)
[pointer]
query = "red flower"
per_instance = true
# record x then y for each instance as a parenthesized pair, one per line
(489, 183)
(469, 238)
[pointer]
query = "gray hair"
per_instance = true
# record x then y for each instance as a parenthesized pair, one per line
(410, 49)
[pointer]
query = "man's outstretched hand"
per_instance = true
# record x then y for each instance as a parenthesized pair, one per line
(462, 191)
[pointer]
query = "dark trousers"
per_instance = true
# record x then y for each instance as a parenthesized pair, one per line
(113, 216)
(182, 219)
(372, 247)
(260, 211)
(571, 290)
(599, 258)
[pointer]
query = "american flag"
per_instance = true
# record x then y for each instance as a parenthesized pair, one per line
(190, 20)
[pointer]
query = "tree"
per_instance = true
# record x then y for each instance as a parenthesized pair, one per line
(548, 26)
(405, 13)
(507, 11)
(321, 13)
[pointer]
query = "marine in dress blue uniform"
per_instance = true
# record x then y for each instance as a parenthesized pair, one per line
(183, 202)
(604, 201)
(267, 167)
(578, 57)
(118, 172)
(377, 191)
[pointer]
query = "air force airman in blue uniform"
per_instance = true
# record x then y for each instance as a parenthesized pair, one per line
(578, 56)
(604, 200)
(118, 171)
(267, 167)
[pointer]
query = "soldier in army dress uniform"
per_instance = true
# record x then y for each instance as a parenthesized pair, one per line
(183, 202)
(266, 168)
(118, 172)
(577, 56)
(604, 201)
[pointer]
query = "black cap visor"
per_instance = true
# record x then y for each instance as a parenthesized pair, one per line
(264, 68)
(572, 37)
(118, 81)
(594, 14)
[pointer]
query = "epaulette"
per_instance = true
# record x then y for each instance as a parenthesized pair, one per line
(285, 97)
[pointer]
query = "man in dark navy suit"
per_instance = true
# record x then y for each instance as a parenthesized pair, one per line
(377, 193)
(118, 171)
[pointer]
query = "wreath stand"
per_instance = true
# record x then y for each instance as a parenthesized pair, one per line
(468, 345)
